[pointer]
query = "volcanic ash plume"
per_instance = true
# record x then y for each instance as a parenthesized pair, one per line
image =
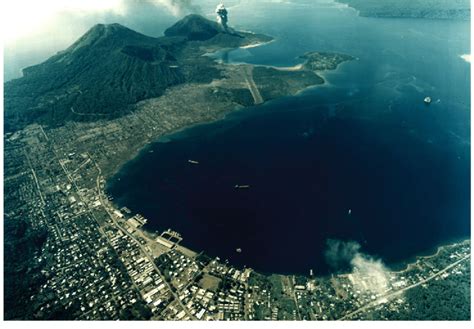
(222, 15)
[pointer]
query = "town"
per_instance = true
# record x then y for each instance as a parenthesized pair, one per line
(97, 261)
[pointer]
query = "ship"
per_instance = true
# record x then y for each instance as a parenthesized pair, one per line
(427, 100)
(193, 161)
(238, 250)
(241, 186)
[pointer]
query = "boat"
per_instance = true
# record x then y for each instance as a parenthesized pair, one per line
(241, 186)
(238, 250)
(427, 100)
(193, 161)
(349, 212)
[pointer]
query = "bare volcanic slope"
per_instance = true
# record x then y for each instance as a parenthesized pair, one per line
(111, 68)
(197, 28)
(194, 27)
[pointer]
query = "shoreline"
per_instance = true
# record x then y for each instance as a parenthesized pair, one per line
(238, 108)
(255, 45)
(428, 253)
(412, 260)
(213, 54)
(407, 264)
(176, 133)
(395, 268)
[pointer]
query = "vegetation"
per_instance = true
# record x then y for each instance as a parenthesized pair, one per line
(111, 68)
(275, 83)
(240, 96)
(22, 272)
(447, 299)
(139, 311)
(101, 75)
(438, 9)
(320, 61)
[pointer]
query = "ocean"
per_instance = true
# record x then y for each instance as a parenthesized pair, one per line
(360, 158)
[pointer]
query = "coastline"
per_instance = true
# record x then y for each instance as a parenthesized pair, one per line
(405, 265)
(210, 251)
(412, 260)
(237, 107)
(167, 136)
(254, 45)
(399, 267)
(213, 54)
(136, 153)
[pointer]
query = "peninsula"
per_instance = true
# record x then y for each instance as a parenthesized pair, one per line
(111, 69)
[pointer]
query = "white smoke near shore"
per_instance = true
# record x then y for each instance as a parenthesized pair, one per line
(367, 275)
(339, 253)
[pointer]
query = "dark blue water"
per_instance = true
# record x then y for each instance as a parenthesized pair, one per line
(365, 141)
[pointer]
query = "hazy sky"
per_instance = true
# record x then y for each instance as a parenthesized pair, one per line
(24, 17)
(34, 30)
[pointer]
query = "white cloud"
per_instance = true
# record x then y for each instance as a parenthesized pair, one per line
(23, 17)
(178, 7)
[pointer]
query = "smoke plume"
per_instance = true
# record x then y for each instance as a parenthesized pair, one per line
(368, 275)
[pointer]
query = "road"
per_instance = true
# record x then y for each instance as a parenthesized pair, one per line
(293, 293)
(248, 75)
(116, 224)
(398, 292)
(89, 114)
(147, 255)
(34, 176)
(89, 210)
